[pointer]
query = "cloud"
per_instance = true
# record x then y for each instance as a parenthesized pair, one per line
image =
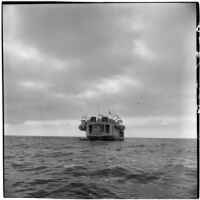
(61, 61)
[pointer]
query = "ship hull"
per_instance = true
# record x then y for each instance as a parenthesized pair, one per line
(102, 128)
(104, 138)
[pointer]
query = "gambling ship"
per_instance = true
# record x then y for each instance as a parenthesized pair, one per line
(103, 127)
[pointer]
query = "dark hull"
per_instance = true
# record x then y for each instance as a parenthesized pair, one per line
(104, 138)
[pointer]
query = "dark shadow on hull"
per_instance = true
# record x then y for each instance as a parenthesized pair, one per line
(104, 138)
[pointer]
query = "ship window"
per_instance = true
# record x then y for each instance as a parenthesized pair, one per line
(121, 134)
(104, 119)
(95, 128)
(93, 119)
(101, 128)
(107, 128)
(90, 129)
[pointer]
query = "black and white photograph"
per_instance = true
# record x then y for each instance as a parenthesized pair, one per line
(100, 100)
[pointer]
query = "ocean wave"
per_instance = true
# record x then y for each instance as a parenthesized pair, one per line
(74, 167)
(110, 172)
(35, 169)
(41, 193)
(75, 170)
(86, 190)
(59, 154)
(18, 183)
(19, 165)
(71, 168)
(144, 177)
(41, 181)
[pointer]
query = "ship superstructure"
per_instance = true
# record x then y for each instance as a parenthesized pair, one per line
(103, 127)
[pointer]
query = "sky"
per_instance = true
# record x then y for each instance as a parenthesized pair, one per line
(62, 61)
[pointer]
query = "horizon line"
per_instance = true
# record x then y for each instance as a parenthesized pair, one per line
(86, 137)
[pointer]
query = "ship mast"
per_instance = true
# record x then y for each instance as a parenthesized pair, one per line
(98, 110)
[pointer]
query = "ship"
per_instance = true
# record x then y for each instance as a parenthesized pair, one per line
(102, 127)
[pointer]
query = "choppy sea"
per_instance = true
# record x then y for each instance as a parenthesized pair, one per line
(71, 168)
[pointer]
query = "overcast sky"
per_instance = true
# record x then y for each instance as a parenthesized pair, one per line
(135, 59)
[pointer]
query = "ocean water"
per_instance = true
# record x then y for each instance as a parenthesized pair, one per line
(71, 168)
